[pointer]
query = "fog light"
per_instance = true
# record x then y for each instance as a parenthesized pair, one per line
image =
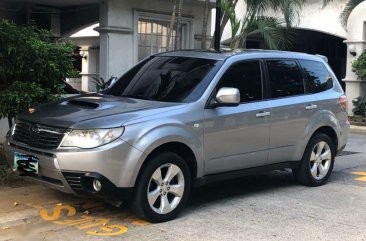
(97, 185)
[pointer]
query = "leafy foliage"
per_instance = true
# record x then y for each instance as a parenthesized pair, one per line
(351, 4)
(360, 66)
(32, 67)
(360, 106)
(101, 84)
(20, 96)
(275, 31)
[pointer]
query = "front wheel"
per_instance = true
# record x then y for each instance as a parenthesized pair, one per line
(163, 187)
(317, 162)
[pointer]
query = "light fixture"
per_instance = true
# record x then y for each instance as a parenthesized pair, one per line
(352, 50)
(83, 54)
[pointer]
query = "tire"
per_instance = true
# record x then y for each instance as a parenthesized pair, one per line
(155, 187)
(317, 162)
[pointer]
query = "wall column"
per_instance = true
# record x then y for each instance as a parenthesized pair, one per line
(89, 67)
(116, 38)
(356, 42)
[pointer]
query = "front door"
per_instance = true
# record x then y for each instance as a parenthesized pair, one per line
(238, 137)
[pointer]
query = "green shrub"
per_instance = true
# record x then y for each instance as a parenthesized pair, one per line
(360, 66)
(21, 96)
(32, 67)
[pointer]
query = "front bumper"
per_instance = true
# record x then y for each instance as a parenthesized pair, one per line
(71, 170)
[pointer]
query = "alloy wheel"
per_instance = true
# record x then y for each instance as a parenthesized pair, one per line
(166, 188)
(320, 160)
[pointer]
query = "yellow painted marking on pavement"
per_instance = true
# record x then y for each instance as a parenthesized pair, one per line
(362, 174)
(108, 230)
(84, 219)
(98, 225)
(100, 222)
(139, 222)
(71, 211)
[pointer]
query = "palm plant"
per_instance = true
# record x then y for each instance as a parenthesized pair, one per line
(275, 31)
(175, 20)
(352, 4)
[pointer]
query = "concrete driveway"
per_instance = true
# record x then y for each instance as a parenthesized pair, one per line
(264, 207)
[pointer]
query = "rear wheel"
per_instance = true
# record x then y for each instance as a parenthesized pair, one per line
(163, 187)
(317, 163)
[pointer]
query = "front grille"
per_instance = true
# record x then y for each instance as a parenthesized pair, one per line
(38, 136)
(74, 180)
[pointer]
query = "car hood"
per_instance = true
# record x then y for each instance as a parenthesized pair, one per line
(94, 111)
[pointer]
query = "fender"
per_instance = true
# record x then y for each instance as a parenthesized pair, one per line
(157, 133)
(324, 118)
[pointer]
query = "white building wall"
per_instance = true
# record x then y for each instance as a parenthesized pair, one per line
(118, 31)
(356, 40)
(312, 16)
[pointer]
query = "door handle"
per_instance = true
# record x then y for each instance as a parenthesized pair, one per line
(311, 107)
(263, 114)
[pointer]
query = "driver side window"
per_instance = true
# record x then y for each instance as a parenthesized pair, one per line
(247, 77)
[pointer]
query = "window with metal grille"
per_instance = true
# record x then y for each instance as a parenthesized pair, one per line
(153, 37)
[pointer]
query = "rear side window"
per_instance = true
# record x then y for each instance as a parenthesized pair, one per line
(285, 78)
(318, 76)
(247, 77)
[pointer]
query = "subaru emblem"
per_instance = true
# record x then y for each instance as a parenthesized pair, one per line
(34, 129)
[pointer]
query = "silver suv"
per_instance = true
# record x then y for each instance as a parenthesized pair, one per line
(182, 119)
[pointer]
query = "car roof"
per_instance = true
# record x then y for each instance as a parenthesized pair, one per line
(250, 53)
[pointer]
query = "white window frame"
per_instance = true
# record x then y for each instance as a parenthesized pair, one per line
(187, 36)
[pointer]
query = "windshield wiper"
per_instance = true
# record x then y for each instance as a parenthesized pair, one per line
(142, 97)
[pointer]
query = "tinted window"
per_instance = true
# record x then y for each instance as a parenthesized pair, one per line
(318, 76)
(170, 79)
(285, 78)
(246, 77)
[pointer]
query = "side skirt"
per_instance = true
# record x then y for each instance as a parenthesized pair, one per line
(243, 172)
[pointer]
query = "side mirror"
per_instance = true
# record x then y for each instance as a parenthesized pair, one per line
(227, 97)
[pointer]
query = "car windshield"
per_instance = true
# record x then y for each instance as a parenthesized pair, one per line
(167, 79)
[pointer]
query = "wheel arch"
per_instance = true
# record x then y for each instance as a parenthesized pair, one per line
(178, 148)
(329, 131)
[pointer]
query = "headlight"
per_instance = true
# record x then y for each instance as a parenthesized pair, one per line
(91, 138)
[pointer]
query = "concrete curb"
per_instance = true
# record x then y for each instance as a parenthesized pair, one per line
(358, 128)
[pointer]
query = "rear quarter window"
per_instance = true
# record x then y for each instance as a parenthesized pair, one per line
(318, 76)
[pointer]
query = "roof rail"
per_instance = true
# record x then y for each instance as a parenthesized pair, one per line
(325, 58)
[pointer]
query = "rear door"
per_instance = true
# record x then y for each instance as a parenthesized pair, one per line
(237, 137)
(292, 108)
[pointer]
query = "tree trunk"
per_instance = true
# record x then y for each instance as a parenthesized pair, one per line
(223, 23)
(241, 42)
(170, 30)
(178, 35)
(204, 25)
